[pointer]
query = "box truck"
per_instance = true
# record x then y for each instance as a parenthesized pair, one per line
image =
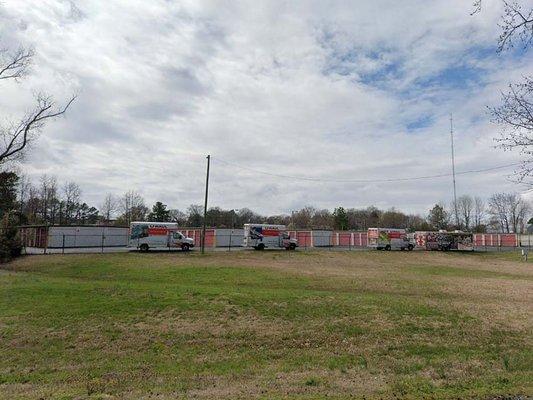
(262, 236)
(158, 235)
(389, 239)
(444, 241)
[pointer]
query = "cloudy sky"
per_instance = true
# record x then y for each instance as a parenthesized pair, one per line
(336, 91)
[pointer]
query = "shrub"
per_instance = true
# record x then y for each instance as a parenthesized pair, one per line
(10, 243)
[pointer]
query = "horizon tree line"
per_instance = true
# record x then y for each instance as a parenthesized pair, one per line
(49, 202)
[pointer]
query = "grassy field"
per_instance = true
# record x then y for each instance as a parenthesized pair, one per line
(266, 325)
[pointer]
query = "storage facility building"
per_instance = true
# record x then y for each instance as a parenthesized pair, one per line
(70, 236)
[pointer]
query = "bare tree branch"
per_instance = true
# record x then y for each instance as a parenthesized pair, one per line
(517, 25)
(477, 7)
(15, 65)
(516, 115)
(17, 137)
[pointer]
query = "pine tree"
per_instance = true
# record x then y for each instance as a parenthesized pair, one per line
(159, 213)
(340, 218)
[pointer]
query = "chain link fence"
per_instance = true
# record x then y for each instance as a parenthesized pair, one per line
(44, 242)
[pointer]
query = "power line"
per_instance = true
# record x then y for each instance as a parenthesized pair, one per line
(313, 179)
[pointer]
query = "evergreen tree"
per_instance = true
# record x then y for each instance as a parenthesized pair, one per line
(9, 239)
(340, 218)
(8, 192)
(159, 213)
(438, 217)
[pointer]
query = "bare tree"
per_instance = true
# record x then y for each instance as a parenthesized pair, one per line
(479, 213)
(515, 113)
(499, 212)
(393, 219)
(178, 216)
(518, 211)
(49, 200)
(32, 206)
(302, 218)
(15, 136)
(322, 219)
(516, 24)
(281, 219)
(15, 65)
(108, 207)
(24, 187)
(133, 207)
(71, 200)
(465, 209)
(195, 215)
(509, 212)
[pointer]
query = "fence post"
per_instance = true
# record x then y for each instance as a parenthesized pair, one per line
(229, 244)
(63, 245)
(103, 239)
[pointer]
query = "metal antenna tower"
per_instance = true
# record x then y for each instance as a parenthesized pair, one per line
(453, 174)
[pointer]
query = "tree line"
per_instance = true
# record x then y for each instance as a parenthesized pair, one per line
(50, 202)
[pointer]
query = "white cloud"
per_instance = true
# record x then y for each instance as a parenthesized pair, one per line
(322, 89)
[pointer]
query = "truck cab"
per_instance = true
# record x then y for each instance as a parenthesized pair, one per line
(179, 240)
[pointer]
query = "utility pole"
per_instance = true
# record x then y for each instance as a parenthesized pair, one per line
(233, 215)
(205, 203)
(453, 174)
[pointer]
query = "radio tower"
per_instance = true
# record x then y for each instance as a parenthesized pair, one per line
(453, 174)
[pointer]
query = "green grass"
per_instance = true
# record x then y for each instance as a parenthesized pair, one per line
(266, 325)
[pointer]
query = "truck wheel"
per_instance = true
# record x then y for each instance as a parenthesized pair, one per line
(292, 246)
(410, 247)
(260, 246)
(144, 247)
(387, 247)
(185, 247)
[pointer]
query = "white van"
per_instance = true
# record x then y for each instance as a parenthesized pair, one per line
(262, 236)
(158, 235)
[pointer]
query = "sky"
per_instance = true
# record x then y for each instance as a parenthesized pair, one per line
(335, 91)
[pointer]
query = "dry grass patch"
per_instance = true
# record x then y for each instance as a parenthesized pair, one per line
(266, 325)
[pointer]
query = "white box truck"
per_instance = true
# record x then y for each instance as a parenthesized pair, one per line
(262, 236)
(389, 239)
(158, 235)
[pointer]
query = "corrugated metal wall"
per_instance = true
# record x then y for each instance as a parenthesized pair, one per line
(87, 236)
(322, 238)
(92, 236)
(229, 237)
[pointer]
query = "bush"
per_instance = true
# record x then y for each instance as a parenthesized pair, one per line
(10, 243)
